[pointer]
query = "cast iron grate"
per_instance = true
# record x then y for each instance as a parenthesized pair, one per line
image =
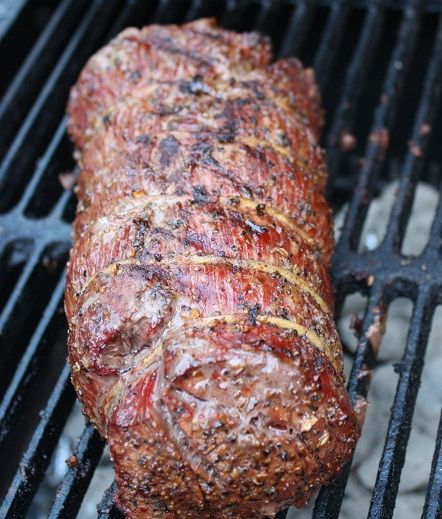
(363, 53)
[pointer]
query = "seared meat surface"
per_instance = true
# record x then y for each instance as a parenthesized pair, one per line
(200, 310)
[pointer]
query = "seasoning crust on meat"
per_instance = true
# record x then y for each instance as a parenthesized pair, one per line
(200, 310)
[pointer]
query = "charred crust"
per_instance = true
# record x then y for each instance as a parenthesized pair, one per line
(252, 314)
(226, 419)
(200, 195)
(169, 148)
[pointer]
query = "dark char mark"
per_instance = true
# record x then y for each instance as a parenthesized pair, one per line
(169, 148)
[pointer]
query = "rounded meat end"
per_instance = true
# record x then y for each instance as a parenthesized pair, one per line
(121, 312)
(230, 427)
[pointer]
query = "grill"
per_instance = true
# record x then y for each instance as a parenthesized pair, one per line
(379, 67)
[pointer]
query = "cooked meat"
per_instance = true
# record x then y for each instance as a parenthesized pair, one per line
(201, 333)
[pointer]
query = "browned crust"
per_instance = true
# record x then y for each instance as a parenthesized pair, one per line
(201, 333)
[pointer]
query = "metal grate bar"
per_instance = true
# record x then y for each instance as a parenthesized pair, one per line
(81, 469)
(333, 33)
(266, 16)
(13, 398)
(297, 29)
(383, 121)
(38, 454)
(132, 13)
(169, 11)
(16, 43)
(433, 247)
(328, 503)
(107, 509)
(129, 15)
(196, 7)
(19, 96)
(354, 82)
(229, 11)
(410, 370)
(237, 13)
(60, 207)
(271, 19)
(16, 226)
(433, 501)
(161, 11)
(417, 147)
(42, 166)
(41, 117)
(10, 306)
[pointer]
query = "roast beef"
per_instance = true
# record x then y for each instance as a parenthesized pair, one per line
(200, 309)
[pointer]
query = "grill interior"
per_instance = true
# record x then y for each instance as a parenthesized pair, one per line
(379, 67)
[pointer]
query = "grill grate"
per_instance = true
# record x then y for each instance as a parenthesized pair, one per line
(363, 53)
